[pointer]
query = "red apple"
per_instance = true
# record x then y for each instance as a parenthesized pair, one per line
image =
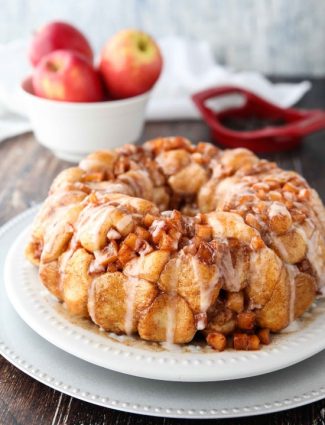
(130, 63)
(58, 36)
(67, 76)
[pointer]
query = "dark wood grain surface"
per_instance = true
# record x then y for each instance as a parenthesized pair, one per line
(26, 170)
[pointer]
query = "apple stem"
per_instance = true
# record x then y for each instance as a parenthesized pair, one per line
(142, 45)
(52, 67)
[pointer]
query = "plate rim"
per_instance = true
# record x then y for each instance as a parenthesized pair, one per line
(190, 368)
(158, 411)
(9, 354)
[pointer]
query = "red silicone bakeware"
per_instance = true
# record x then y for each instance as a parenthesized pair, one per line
(295, 123)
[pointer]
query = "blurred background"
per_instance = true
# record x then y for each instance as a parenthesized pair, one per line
(278, 37)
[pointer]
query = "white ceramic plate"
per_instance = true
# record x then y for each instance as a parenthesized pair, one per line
(127, 355)
(285, 389)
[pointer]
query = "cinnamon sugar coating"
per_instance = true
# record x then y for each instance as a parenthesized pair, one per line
(169, 240)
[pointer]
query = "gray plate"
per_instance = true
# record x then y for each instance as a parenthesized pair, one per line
(285, 389)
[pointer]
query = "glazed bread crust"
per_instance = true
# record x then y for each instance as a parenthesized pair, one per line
(169, 239)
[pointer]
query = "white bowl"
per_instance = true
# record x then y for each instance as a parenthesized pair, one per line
(72, 130)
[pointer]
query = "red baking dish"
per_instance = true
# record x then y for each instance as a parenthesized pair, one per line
(295, 123)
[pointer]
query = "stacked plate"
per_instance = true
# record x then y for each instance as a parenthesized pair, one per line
(119, 372)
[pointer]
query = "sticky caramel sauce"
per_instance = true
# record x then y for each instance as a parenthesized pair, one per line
(198, 344)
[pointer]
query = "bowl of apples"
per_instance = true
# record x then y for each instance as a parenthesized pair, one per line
(76, 107)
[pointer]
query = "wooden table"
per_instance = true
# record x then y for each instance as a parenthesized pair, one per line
(26, 170)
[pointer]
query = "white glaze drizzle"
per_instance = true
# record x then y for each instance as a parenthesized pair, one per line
(94, 218)
(91, 218)
(55, 227)
(113, 234)
(110, 187)
(64, 259)
(292, 273)
(314, 253)
(276, 209)
(123, 222)
(135, 180)
(231, 278)
(157, 226)
(226, 190)
(171, 307)
(292, 327)
(92, 300)
(206, 289)
(279, 246)
(96, 266)
(91, 164)
(130, 289)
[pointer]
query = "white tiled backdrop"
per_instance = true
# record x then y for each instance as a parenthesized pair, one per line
(273, 36)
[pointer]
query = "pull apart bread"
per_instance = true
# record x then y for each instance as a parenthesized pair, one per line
(167, 239)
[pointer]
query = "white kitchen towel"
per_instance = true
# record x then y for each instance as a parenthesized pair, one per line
(189, 66)
(13, 68)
